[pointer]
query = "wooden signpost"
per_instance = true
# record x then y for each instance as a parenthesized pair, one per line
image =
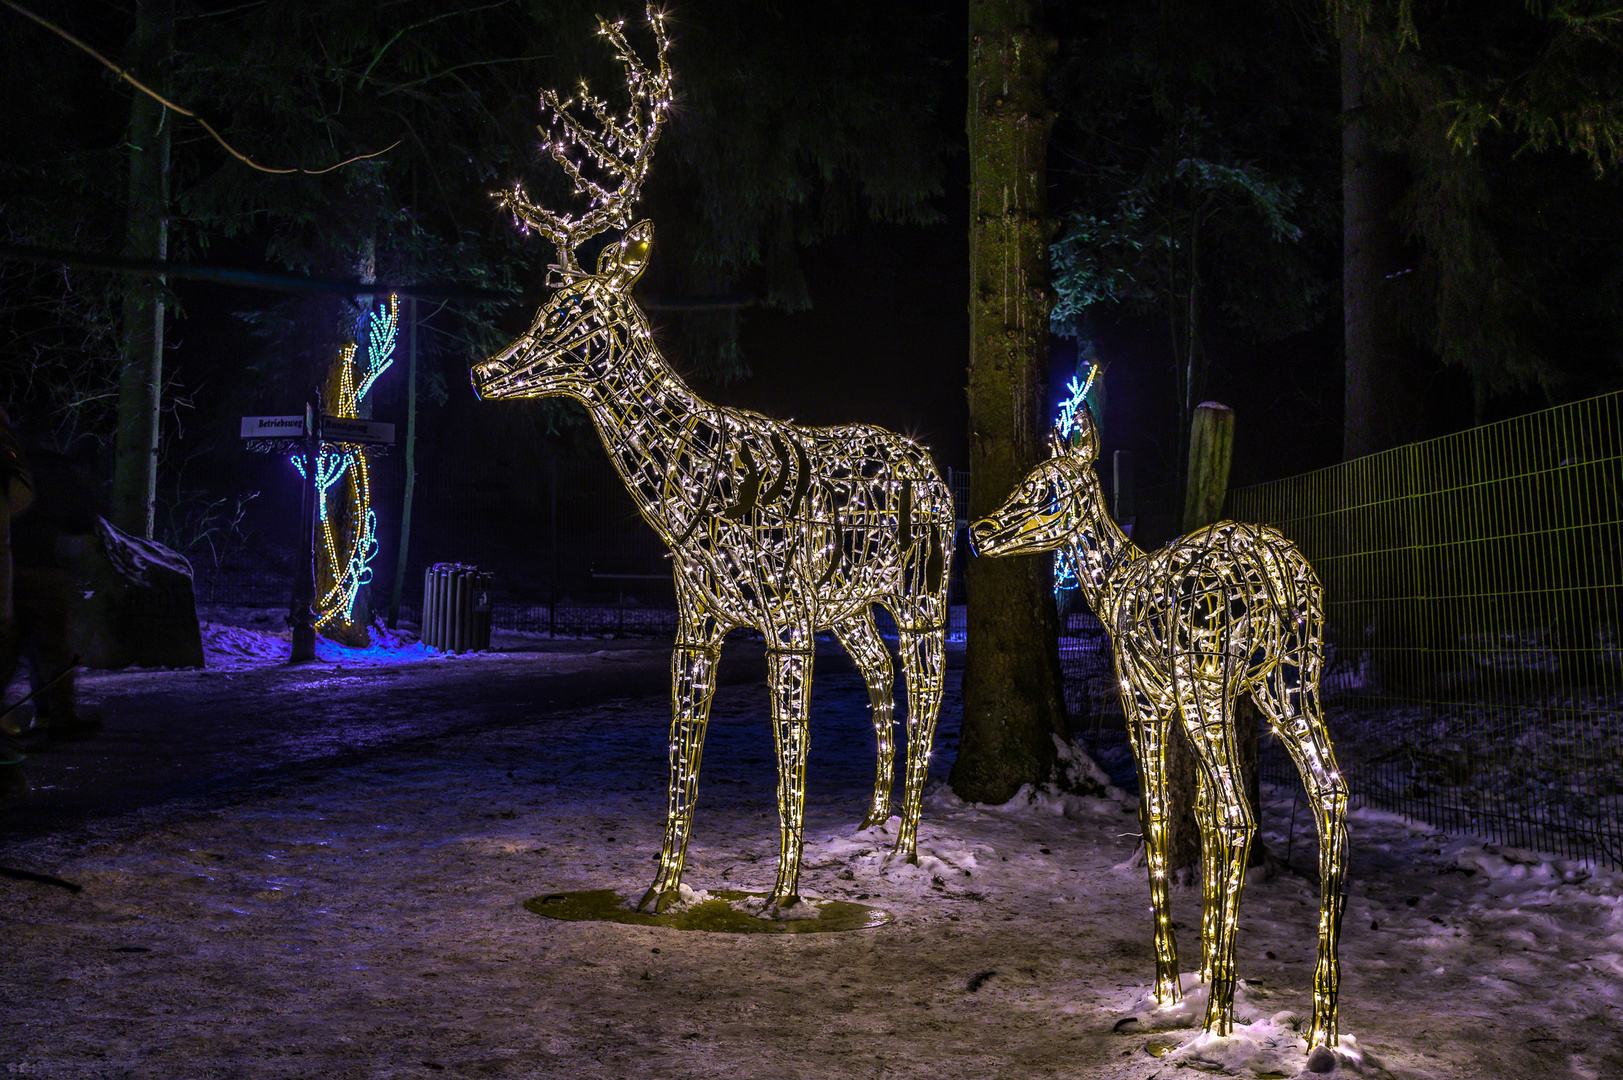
(303, 434)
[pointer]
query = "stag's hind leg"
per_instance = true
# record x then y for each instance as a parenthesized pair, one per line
(1290, 700)
(924, 664)
(693, 682)
(867, 649)
(789, 673)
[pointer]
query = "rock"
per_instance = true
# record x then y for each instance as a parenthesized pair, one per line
(134, 604)
(1321, 1060)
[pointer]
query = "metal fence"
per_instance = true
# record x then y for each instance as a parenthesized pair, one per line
(1475, 646)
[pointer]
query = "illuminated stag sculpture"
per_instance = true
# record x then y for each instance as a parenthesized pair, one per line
(784, 529)
(1229, 609)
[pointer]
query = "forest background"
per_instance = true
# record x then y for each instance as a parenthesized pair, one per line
(1357, 224)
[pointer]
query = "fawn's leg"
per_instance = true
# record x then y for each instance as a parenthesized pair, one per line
(789, 674)
(1226, 840)
(1290, 700)
(1149, 719)
(868, 650)
(924, 655)
(693, 681)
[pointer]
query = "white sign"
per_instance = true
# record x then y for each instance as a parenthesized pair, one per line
(273, 427)
(343, 429)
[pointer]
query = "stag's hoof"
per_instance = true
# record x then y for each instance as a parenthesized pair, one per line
(779, 907)
(1220, 1006)
(660, 898)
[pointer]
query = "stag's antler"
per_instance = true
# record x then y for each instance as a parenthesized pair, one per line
(622, 150)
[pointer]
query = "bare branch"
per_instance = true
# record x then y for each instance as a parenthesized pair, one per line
(182, 110)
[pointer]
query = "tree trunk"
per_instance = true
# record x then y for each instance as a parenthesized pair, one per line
(411, 468)
(1380, 407)
(1013, 705)
(140, 387)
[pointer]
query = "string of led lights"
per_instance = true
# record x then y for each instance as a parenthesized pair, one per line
(349, 528)
(785, 529)
(1228, 609)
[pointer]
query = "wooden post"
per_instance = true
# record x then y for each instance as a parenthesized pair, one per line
(1211, 445)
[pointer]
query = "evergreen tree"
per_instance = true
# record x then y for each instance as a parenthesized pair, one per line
(1460, 210)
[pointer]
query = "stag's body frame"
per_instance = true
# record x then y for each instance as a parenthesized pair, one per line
(784, 529)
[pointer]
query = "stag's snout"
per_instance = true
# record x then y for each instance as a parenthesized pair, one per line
(513, 372)
(483, 375)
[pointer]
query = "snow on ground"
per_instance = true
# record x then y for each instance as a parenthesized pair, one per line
(244, 639)
(368, 922)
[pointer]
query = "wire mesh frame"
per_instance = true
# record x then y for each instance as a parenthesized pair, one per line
(1475, 676)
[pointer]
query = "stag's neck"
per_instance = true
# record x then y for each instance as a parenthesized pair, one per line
(649, 419)
(1098, 554)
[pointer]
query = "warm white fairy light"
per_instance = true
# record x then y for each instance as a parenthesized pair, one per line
(341, 573)
(1228, 609)
(784, 529)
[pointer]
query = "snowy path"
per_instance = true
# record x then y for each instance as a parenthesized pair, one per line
(368, 923)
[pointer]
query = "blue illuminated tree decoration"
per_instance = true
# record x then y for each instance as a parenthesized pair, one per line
(1067, 428)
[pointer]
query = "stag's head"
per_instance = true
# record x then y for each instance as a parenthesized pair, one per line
(577, 333)
(590, 316)
(1053, 503)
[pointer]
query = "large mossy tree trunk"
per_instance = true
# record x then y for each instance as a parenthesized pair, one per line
(140, 386)
(1013, 704)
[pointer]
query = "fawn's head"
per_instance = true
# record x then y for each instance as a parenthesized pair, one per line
(591, 318)
(1056, 500)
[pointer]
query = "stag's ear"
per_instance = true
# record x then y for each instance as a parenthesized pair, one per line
(622, 263)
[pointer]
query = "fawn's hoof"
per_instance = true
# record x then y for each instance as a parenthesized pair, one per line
(1322, 1034)
(875, 819)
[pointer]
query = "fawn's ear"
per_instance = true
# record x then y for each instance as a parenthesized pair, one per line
(623, 263)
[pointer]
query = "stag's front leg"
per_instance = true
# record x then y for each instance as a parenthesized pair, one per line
(924, 665)
(693, 681)
(867, 649)
(789, 677)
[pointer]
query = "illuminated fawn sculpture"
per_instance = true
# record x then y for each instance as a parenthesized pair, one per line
(1228, 609)
(784, 529)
